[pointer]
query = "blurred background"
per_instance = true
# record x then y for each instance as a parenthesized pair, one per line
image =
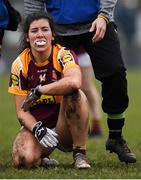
(127, 18)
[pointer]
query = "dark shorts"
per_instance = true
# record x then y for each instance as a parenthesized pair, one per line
(105, 55)
(108, 66)
(1, 35)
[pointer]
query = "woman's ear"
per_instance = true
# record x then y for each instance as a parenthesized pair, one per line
(27, 39)
(53, 36)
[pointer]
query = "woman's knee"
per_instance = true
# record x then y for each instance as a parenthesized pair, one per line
(26, 152)
(77, 97)
(76, 109)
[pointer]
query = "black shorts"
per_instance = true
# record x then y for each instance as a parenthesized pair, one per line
(105, 55)
(108, 66)
(1, 35)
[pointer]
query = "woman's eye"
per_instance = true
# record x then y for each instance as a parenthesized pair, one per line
(34, 30)
(45, 29)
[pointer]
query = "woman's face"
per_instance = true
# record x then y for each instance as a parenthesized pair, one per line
(40, 35)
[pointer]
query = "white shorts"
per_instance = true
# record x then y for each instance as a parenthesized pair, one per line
(84, 60)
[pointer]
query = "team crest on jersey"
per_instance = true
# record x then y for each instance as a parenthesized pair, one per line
(66, 57)
(42, 78)
(15, 80)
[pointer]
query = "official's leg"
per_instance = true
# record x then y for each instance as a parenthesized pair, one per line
(110, 70)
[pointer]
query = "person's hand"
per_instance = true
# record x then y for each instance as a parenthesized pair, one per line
(45, 136)
(99, 27)
(31, 98)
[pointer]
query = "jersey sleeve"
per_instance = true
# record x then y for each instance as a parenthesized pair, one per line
(67, 59)
(17, 80)
(107, 8)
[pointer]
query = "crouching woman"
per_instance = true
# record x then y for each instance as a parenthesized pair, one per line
(52, 110)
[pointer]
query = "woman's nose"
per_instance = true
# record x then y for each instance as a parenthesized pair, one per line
(40, 33)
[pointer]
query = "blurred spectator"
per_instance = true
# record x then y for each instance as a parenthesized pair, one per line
(10, 42)
(3, 24)
(126, 14)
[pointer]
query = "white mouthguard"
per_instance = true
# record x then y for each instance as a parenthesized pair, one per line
(40, 43)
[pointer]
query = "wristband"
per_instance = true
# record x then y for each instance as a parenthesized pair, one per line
(37, 92)
(103, 17)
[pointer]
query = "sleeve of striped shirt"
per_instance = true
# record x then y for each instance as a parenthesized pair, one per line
(107, 8)
(31, 6)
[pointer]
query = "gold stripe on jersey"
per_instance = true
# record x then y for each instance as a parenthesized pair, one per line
(25, 57)
(17, 91)
(20, 64)
(70, 65)
(15, 88)
(57, 66)
(48, 99)
(62, 60)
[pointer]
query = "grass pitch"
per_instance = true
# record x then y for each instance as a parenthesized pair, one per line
(104, 164)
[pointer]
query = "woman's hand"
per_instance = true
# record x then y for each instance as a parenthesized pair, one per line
(44, 135)
(31, 98)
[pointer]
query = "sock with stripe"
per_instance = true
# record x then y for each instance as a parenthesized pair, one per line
(115, 125)
(79, 149)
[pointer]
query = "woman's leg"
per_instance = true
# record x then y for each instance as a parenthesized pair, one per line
(26, 150)
(72, 126)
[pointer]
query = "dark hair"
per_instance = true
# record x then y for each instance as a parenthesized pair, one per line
(26, 24)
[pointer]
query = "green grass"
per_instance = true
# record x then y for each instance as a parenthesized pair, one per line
(104, 164)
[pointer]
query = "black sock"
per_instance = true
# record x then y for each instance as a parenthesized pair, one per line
(115, 127)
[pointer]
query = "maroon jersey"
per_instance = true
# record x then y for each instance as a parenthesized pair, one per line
(26, 74)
